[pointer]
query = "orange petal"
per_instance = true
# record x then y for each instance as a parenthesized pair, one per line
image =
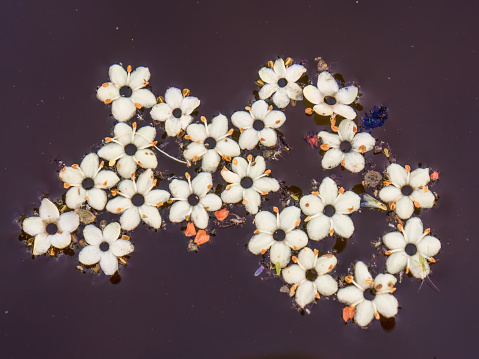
(222, 214)
(190, 229)
(201, 237)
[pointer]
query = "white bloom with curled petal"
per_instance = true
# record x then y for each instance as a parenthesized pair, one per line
(50, 228)
(104, 247)
(309, 276)
(129, 148)
(126, 91)
(405, 190)
(247, 181)
(346, 148)
(193, 200)
(329, 99)
(278, 233)
(369, 297)
(258, 124)
(137, 201)
(175, 111)
(87, 183)
(328, 210)
(210, 143)
(411, 248)
(281, 81)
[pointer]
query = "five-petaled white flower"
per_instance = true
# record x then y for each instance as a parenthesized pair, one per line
(175, 111)
(281, 81)
(328, 210)
(309, 276)
(405, 190)
(411, 247)
(193, 199)
(258, 124)
(329, 99)
(50, 228)
(210, 143)
(247, 181)
(137, 201)
(369, 297)
(130, 148)
(86, 183)
(104, 247)
(278, 233)
(126, 91)
(345, 148)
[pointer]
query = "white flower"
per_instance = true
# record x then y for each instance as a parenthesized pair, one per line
(309, 276)
(176, 111)
(193, 199)
(247, 181)
(406, 190)
(369, 297)
(278, 233)
(281, 81)
(86, 183)
(345, 148)
(125, 91)
(104, 247)
(258, 124)
(210, 143)
(412, 248)
(50, 228)
(328, 211)
(130, 148)
(138, 201)
(329, 99)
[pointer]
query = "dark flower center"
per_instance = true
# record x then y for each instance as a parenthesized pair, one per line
(138, 200)
(345, 146)
(126, 91)
(406, 190)
(193, 199)
(87, 183)
(370, 294)
(330, 100)
(282, 82)
(329, 210)
(279, 235)
(258, 125)
(51, 228)
(104, 246)
(311, 274)
(177, 112)
(246, 182)
(210, 142)
(130, 149)
(410, 249)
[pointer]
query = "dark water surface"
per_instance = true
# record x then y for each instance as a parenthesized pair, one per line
(420, 60)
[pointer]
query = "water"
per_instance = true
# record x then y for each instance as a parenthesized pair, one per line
(178, 304)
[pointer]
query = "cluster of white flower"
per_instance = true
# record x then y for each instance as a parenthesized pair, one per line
(121, 178)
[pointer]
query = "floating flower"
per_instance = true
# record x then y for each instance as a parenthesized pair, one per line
(130, 148)
(126, 91)
(247, 181)
(405, 190)
(278, 233)
(210, 143)
(346, 148)
(411, 248)
(329, 99)
(176, 110)
(50, 228)
(258, 124)
(369, 297)
(193, 199)
(138, 201)
(281, 81)
(104, 247)
(86, 183)
(309, 276)
(328, 211)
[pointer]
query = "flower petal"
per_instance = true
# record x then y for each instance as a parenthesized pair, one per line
(211, 202)
(239, 166)
(266, 184)
(329, 138)
(327, 84)
(253, 200)
(127, 188)
(419, 177)
(429, 246)
(257, 168)
(305, 294)
(71, 176)
(325, 264)
(293, 274)
(323, 109)
(343, 225)
(93, 235)
(89, 255)
(118, 204)
(347, 129)
(274, 119)
(266, 222)
(362, 275)
(173, 97)
(48, 211)
(332, 158)
(111, 232)
(61, 240)
(268, 137)
(326, 285)
(210, 162)
(288, 218)
(230, 176)
(75, 197)
(189, 104)
(364, 313)
(318, 228)
(242, 119)
(106, 179)
(280, 252)
(346, 95)
(126, 166)
(228, 147)
(311, 205)
(279, 68)
(108, 263)
(281, 98)
(404, 208)
(363, 139)
(232, 195)
(89, 165)
(396, 262)
(248, 139)
(384, 281)
(144, 136)
(111, 151)
(268, 75)
(347, 203)
(144, 181)
(419, 268)
(394, 240)
(121, 247)
(194, 150)
(172, 126)
(197, 132)
(138, 77)
(267, 90)
(260, 242)
(68, 222)
(41, 244)
(425, 199)
(156, 196)
(259, 109)
(180, 189)
(397, 174)
(307, 258)
(144, 97)
(33, 226)
(146, 158)
(294, 91)
(328, 191)
(354, 162)
(296, 239)
(150, 215)
(179, 211)
(130, 219)
(390, 194)
(161, 112)
(97, 198)
(117, 75)
(202, 183)
(107, 93)
(386, 305)
(312, 94)
(200, 217)
(123, 109)
(294, 72)
(350, 295)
